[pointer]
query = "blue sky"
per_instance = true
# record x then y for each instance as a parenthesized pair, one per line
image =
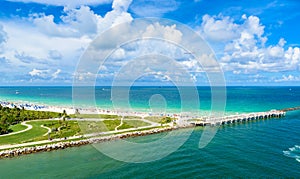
(255, 42)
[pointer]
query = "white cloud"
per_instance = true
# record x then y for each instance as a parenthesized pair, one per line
(286, 78)
(46, 74)
(38, 42)
(166, 32)
(3, 38)
(72, 3)
(38, 73)
(81, 21)
(243, 45)
(218, 28)
(55, 74)
(3, 35)
(121, 5)
(76, 23)
(54, 54)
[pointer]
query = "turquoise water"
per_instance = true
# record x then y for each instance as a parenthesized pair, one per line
(239, 99)
(263, 148)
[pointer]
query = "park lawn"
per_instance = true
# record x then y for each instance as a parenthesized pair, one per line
(89, 127)
(156, 119)
(132, 117)
(133, 124)
(17, 127)
(60, 129)
(29, 135)
(67, 129)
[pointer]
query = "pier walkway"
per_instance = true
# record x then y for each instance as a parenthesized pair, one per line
(211, 121)
(291, 109)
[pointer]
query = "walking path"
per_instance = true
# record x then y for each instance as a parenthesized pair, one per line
(49, 130)
(71, 138)
(24, 124)
(116, 128)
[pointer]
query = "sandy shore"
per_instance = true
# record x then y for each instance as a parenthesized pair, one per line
(72, 110)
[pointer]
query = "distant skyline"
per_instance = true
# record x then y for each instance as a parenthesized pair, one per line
(256, 42)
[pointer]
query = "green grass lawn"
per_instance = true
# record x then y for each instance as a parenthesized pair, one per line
(29, 135)
(67, 129)
(109, 125)
(98, 126)
(62, 129)
(133, 124)
(132, 117)
(156, 119)
(17, 127)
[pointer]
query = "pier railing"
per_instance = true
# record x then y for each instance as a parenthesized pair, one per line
(238, 118)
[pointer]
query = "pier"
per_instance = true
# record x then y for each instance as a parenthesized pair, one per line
(291, 109)
(211, 121)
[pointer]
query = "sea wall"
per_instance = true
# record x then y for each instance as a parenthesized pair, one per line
(63, 145)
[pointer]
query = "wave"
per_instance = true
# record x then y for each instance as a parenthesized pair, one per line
(293, 152)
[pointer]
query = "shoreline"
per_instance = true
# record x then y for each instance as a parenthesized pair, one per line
(181, 122)
(120, 112)
(71, 109)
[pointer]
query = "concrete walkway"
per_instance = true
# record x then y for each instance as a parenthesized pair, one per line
(116, 128)
(49, 130)
(2, 147)
(24, 124)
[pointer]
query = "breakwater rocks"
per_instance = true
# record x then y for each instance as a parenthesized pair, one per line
(66, 144)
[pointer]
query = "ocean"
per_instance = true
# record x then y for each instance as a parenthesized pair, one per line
(261, 148)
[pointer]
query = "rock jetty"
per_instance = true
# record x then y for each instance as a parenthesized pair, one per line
(63, 145)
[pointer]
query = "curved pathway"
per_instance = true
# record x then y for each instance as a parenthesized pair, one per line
(49, 130)
(9, 146)
(116, 128)
(24, 124)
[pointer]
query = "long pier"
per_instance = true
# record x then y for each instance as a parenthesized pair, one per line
(291, 109)
(239, 118)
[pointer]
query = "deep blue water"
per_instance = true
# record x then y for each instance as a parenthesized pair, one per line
(262, 148)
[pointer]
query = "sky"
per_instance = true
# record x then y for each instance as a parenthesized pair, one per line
(255, 43)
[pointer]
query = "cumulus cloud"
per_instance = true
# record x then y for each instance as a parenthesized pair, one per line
(286, 78)
(121, 5)
(44, 74)
(244, 49)
(3, 35)
(73, 3)
(166, 32)
(76, 23)
(82, 21)
(218, 28)
(54, 54)
(55, 74)
(3, 38)
(38, 73)
(39, 42)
